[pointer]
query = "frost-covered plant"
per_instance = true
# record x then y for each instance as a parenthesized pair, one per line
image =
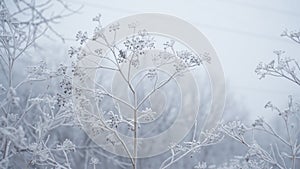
(26, 119)
(130, 51)
(293, 35)
(178, 151)
(283, 67)
(283, 151)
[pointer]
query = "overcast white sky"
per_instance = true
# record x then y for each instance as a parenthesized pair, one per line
(243, 33)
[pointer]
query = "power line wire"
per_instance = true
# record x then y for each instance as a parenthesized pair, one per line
(220, 28)
(263, 8)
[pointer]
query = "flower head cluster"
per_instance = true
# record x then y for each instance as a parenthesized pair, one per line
(258, 122)
(81, 37)
(67, 146)
(114, 27)
(94, 161)
(235, 128)
(187, 60)
(39, 71)
(40, 153)
(136, 46)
